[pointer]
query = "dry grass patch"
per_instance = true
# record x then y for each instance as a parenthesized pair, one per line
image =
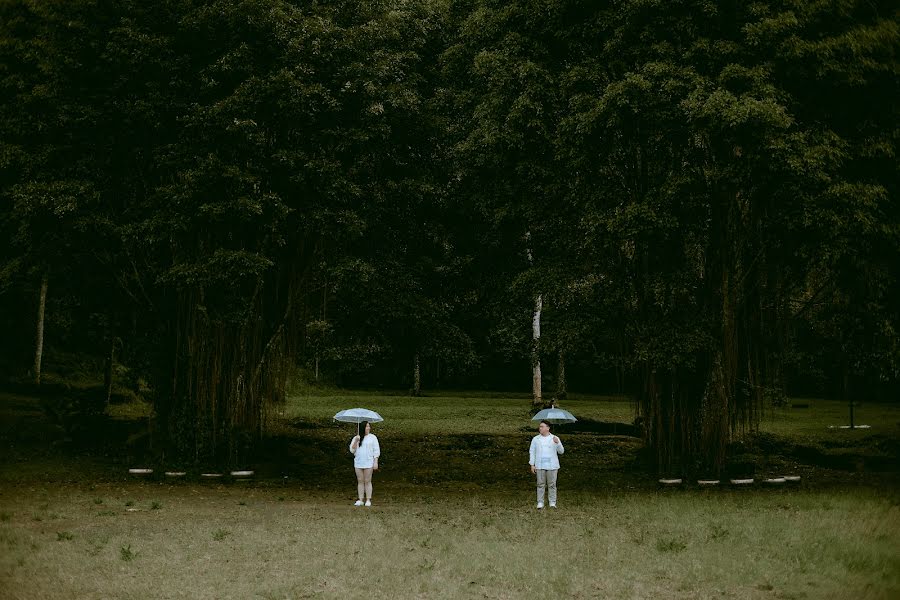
(203, 544)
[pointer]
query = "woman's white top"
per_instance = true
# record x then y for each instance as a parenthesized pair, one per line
(544, 454)
(364, 456)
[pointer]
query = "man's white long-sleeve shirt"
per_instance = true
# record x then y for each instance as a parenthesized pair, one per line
(544, 453)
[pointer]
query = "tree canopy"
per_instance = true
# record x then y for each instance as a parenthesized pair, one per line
(701, 195)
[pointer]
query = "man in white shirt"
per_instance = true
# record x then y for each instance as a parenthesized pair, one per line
(543, 456)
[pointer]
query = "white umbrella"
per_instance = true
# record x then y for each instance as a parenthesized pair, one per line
(358, 415)
(555, 416)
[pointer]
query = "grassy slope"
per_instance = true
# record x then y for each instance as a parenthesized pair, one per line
(454, 516)
(229, 542)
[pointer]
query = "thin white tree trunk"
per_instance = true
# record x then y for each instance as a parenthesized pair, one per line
(417, 377)
(39, 345)
(537, 399)
(536, 396)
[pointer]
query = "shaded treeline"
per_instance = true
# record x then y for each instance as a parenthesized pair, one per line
(691, 202)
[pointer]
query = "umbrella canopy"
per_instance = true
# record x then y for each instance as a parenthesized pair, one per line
(554, 416)
(358, 415)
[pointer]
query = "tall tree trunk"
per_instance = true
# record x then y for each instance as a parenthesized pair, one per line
(39, 342)
(417, 377)
(108, 371)
(562, 391)
(324, 316)
(845, 396)
(536, 397)
(537, 401)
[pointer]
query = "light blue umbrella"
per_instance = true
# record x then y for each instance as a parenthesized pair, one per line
(554, 416)
(358, 415)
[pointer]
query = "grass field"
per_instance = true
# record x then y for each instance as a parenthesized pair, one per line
(454, 513)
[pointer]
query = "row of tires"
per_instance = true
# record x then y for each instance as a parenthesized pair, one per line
(780, 480)
(180, 474)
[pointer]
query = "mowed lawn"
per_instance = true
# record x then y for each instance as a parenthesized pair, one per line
(454, 517)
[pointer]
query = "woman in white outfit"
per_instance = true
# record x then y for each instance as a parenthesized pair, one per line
(543, 456)
(365, 452)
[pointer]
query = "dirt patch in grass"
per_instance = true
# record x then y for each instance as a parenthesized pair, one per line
(425, 441)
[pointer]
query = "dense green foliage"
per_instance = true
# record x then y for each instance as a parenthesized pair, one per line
(703, 195)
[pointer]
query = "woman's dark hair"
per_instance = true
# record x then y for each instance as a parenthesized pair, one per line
(362, 431)
(547, 423)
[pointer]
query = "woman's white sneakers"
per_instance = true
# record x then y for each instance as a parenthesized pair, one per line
(540, 505)
(358, 503)
(368, 503)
